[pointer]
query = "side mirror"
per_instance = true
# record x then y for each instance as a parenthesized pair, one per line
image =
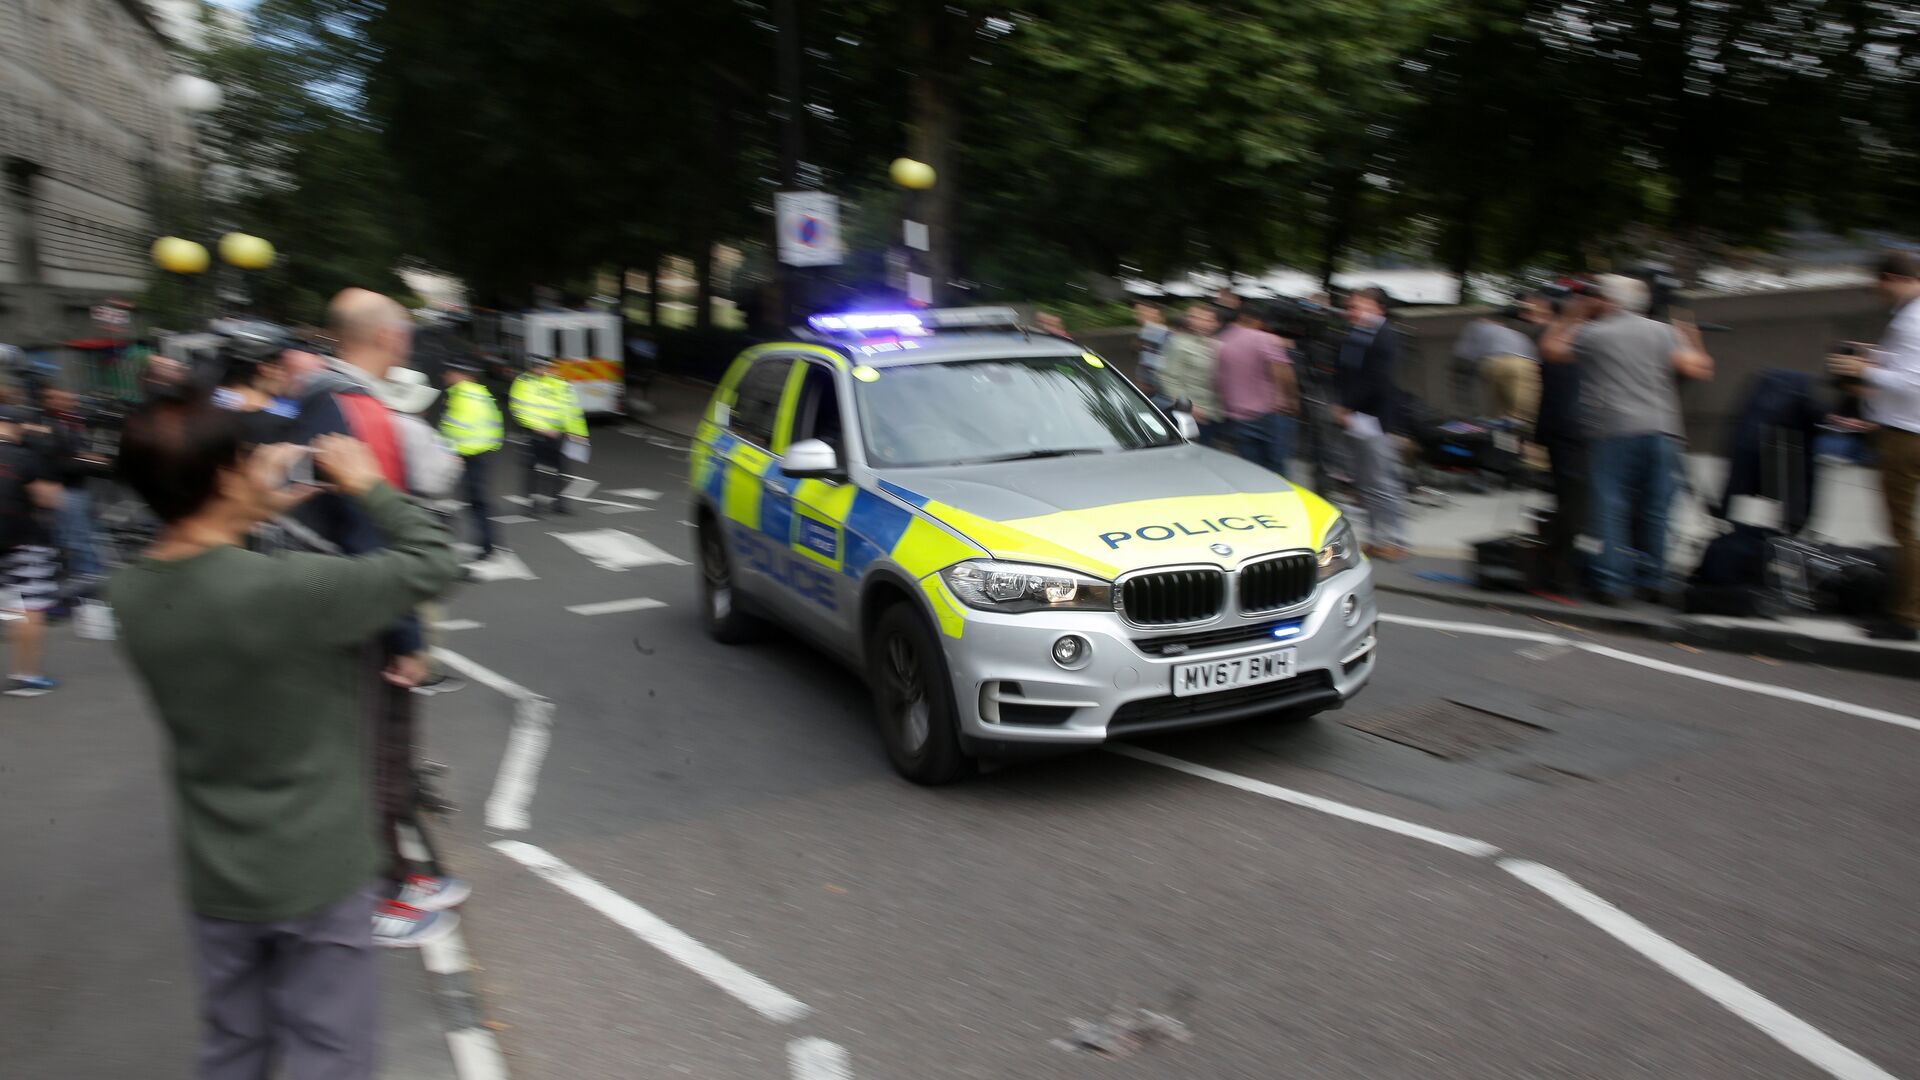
(1184, 423)
(811, 459)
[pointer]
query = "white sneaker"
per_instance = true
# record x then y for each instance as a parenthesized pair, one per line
(434, 893)
(403, 926)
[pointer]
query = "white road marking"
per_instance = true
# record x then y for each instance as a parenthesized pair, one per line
(509, 803)
(448, 955)
(485, 676)
(476, 1055)
(604, 502)
(1481, 629)
(580, 486)
(635, 493)
(451, 625)
(1776, 1023)
(512, 519)
(613, 508)
(527, 741)
(614, 607)
(745, 987)
(1763, 689)
(1730, 993)
(1452, 842)
(612, 549)
(818, 1059)
(504, 566)
(517, 500)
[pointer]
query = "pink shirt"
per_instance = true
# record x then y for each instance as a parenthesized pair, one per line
(1245, 377)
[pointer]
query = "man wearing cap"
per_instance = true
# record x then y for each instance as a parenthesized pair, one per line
(544, 404)
(472, 426)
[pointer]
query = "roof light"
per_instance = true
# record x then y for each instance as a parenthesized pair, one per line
(953, 318)
(861, 322)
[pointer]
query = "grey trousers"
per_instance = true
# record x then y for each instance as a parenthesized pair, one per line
(303, 991)
(1383, 487)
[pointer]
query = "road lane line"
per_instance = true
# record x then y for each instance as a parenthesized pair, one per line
(476, 1055)
(509, 803)
(1481, 629)
(1800, 696)
(1773, 1021)
(1465, 845)
(512, 519)
(744, 986)
(635, 493)
(1730, 993)
(614, 549)
(614, 607)
(818, 1059)
(484, 675)
(458, 624)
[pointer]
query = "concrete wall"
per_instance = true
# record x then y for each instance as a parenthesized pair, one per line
(1793, 330)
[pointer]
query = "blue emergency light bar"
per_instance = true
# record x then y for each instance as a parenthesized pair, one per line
(866, 322)
(869, 323)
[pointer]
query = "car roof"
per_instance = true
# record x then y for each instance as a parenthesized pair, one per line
(946, 348)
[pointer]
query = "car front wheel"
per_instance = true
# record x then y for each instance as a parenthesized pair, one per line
(913, 699)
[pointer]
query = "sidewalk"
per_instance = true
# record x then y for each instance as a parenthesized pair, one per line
(1847, 511)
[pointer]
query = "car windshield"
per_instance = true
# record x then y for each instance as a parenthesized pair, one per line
(975, 411)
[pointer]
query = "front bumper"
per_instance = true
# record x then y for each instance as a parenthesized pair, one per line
(1010, 695)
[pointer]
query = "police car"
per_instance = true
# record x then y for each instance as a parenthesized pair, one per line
(1017, 549)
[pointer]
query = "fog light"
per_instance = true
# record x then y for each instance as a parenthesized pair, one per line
(1069, 651)
(1350, 609)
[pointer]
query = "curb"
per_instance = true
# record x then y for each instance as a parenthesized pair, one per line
(1695, 631)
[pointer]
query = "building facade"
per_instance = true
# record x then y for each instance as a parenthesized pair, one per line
(87, 127)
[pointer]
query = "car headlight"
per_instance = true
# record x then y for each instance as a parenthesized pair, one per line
(991, 585)
(1339, 552)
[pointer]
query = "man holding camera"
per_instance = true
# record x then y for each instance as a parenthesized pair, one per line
(1889, 374)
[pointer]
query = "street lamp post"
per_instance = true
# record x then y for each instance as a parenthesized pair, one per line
(915, 177)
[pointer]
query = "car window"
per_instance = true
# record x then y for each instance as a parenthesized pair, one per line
(757, 401)
(816, 415)
(974, 411)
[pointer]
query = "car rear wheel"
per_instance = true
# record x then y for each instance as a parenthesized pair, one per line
(719, 600)
(913, 699)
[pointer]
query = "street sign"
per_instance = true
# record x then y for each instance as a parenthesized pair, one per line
(809, 227)
(111, 317)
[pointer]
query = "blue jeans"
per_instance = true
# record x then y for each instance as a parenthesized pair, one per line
(1632, 482)
(1264, 440)
(74, 526)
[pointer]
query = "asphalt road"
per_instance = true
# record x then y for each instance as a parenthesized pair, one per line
(1729, 892)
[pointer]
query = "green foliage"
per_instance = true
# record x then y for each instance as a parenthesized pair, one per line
(298, 161)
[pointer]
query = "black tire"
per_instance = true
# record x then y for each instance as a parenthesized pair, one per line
(913, 699)
(720, 607)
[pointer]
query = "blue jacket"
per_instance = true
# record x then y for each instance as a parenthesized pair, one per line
(336, 518)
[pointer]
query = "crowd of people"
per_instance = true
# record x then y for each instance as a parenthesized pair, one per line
(279, 611)
(1596, 384)
(1230, 365)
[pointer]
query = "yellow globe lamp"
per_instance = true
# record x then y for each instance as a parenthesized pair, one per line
(246, 252)
(911, 174)
(177, 256)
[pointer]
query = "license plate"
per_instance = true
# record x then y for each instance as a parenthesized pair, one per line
(1207, 676)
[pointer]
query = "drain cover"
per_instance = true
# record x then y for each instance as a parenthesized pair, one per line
(1446, 729)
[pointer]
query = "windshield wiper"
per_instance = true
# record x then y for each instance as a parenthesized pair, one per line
(1031, 455)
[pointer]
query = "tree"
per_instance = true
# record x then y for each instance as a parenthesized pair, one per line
(293, 157)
